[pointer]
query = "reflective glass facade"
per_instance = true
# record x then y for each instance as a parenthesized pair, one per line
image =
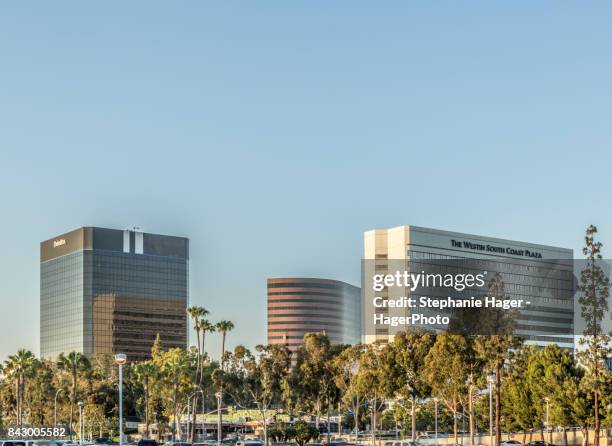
(61, 304)
(105, 291)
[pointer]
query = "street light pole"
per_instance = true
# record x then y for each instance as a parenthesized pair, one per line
(219, 433)
(55, 407)
(120, 359)
(80, 403)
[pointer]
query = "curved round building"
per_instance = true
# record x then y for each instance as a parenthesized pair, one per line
(297, 306)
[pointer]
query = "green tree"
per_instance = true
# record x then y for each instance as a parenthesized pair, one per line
(40, 389)
(371, 381)
(73, 363)
(495, 344)
(447, 371)
(304, 432)
(345, 367)
(145, 372)
(519, 409)
(281, 432)
(258, 380)
(410, 350)
(206, 327)
(553, 376)
(314, 366)
(175, 366)
(594, 288)
(223, 327)
(197, 314)
(17, 368)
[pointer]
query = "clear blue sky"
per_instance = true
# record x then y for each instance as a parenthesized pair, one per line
(274, 133)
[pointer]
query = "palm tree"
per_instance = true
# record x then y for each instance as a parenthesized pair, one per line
(17, 368)
(207, 327)
(144, 373)
(224, 327)
(197, 313)
(73, 363)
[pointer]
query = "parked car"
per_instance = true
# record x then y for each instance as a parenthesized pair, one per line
(511, 443)
(145, 442)
(12, 443)
(249, 443)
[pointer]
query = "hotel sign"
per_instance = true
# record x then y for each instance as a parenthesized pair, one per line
(60, 242)
(495, 249)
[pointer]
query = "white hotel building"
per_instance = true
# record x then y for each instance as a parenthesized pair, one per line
(540, 274)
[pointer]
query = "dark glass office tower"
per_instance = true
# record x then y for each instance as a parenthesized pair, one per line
(104, 291)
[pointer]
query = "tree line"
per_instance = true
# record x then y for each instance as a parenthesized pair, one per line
(400, 383)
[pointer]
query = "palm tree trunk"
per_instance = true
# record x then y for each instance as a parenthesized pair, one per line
(199, 352)
(19, 401)
(73, 396)
(203, 353)
(193, 418)
(222, 349)
(221, 386)
(146, 395)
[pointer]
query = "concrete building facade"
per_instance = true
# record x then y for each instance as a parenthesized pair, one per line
(540, 274)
